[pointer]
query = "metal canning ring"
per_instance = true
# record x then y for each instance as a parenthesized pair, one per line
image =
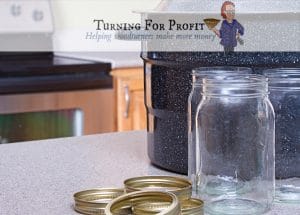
(94, 201)
(126, 204)
(146, 208)
(181, 187)
(192, 207)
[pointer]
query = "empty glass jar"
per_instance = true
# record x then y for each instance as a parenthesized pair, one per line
(193, 102)
(236, 145)
(285, 97)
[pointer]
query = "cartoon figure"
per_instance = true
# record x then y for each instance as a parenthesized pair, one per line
(231, 29)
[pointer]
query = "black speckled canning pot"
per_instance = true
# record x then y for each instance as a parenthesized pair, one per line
(167, 87)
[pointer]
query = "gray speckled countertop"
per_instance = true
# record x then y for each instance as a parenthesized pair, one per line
(41, 177)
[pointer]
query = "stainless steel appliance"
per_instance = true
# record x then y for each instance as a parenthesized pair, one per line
(64, 96)
(40, 125)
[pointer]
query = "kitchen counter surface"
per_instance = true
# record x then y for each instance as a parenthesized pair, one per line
(40, 177)
(117, 59)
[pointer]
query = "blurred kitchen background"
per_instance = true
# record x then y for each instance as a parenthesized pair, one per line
(51, 86)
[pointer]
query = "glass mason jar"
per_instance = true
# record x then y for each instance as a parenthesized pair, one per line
(284, 85)
(236, 134)
(193, 102)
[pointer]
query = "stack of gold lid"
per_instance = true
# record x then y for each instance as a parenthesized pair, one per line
(145, 195)
(181, 187)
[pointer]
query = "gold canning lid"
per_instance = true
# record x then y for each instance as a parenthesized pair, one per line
(94, 201)
(192, 207)
(181, 187)
(149, 209)
(188, 207)
(159, 203)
